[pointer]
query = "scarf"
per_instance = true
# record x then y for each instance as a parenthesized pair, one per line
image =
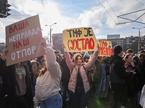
(73, 79)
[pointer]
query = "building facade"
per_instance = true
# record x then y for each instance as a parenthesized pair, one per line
(57, 40)
(135, 43)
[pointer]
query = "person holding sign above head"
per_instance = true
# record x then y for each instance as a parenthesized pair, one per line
(78, 85)
(48, 82)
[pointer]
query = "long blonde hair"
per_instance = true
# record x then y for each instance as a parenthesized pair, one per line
(43, 68)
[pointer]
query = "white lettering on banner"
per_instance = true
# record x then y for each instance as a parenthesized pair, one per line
(23, 53)
(25, 34)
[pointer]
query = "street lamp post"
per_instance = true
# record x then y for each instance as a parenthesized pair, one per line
(139, 36)
(50, 30)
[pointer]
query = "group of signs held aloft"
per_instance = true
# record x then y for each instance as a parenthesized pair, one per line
(23, 41)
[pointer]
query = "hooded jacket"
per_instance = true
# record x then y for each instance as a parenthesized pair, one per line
(48, 84)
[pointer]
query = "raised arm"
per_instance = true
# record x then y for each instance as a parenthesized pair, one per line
(68, 61)
(91, 60)
(53, 66)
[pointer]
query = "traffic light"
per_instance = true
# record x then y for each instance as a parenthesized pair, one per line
(4, 8)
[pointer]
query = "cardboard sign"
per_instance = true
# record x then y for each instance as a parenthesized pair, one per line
(105, 48)
(23, 40)
(79, 40)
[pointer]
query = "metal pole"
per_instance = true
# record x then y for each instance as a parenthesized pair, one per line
(50, 31)
(139, 37)
(50, 34)
(139, 40)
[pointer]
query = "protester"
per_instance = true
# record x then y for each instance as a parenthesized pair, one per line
(16, 85)
(59, 56)
(64, 79)
(48, 83)
(35, 72)
(35, 68)
(78, 84)
(142, 67)
(2, 91)
(129, 64)
(64, 83)
(91, 74)
(8, 79)
(130, 51)
(137, 80)
(118, 77)
(86, 57)
(104, 82)
(101, 80)
(131, 80)
(23, 86)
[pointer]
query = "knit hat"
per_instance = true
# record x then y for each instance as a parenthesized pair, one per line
(76, 55)
(117, 49)
(34, 61)
(86, 56)
(129, 51)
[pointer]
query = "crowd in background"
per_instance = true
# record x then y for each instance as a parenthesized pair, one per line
(74, 80)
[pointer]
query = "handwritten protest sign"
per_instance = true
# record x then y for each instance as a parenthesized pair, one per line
(79, 40)
(23, 40)
(105, 48)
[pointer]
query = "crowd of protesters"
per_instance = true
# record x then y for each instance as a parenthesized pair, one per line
(74, 80)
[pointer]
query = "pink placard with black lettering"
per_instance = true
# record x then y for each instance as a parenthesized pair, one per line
(23, 40)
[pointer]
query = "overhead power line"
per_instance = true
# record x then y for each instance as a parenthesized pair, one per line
(107, 11)
(132, 12)
(132, 20)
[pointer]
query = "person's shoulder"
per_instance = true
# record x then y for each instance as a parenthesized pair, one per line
(116, 59)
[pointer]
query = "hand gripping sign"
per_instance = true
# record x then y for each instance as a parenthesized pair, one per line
(23, 40)
(79, 40)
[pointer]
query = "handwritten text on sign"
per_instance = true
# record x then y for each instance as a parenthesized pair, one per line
(79, 40)
(22, 39)
(105, 48)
